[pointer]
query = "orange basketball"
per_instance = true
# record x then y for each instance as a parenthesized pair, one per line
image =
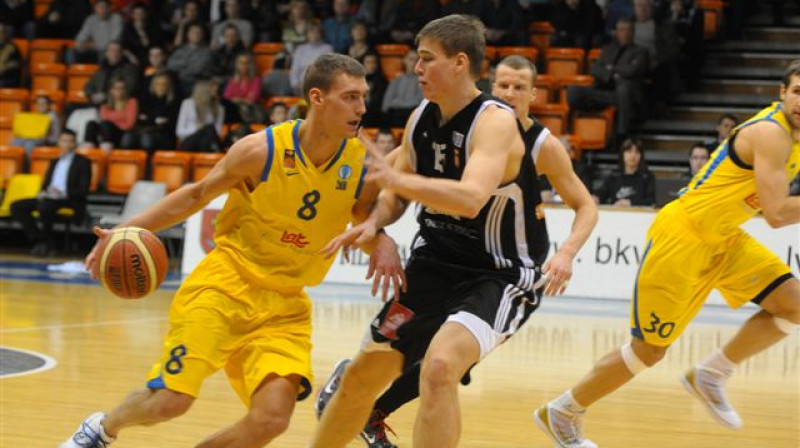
(132, 262)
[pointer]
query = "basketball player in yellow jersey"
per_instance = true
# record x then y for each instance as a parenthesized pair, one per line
(695, 245)
(291, 189)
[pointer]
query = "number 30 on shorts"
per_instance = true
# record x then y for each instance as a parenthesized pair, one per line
(663, 329)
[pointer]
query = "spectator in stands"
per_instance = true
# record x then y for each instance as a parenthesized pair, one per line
(225, 55)
(295, 29)
(66, 184)
(10, 59)
(117, 119)
(633, 184)
(687, 19)
(360, 44)
(158, 114)
(234, 17)
(698, 156)
(663, 46)
(113, 66)
(264, 16)
(98, 30)
(140, 34)
(337, 27)
(18, 14)
(400, 20)
(278, 113)
(39, 127)
(577, 23)
(156, 62)
(305, 54)
(503, 20)
(63, 19)
(384, 141)
(615, 10)
(200, 119)
(244, 89)
(188, 15)
(192, 60)
(377, 89)
(403, 93)
(725, 125)
(619, 74)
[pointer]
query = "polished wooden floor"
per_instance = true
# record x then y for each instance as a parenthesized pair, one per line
(104, 347)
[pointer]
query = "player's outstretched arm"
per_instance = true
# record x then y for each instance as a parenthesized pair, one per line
(770, 146)
(555, 164)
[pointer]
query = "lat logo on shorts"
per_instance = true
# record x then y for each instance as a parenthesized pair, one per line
(298, 239)
(753, 201)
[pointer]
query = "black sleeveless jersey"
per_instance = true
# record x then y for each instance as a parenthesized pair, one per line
(509, 233)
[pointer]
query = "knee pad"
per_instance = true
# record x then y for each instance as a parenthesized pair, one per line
(632, 362)
(784, 325)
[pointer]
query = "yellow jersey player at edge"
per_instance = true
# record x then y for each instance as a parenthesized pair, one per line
(291, 189)
(694, 245)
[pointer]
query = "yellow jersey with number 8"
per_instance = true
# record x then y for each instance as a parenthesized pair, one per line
(272, 235)
(723, 195)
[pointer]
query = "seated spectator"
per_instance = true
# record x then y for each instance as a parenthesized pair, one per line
(192, 60)
(399, 21)
(403, 93)
(63, 19)
(244, 89)
(377, 84)
(698, 156)
(619, 74)
(225, 55)
(200, 119)
(687, 19)
(503, 20)
(98, 30)
(633, 184)
(139, 35)
(305, 54)
(337, 27)
(615, 10)
(158, 114)
(578, 23)
(66, 184)
(189, 14)
(663, 46)
(157, 63)
(278, 113)
(263, 14)
(10, 59)
(18, 14)
(37, 128)
(234, 17)
(113, 66)
(359, 45)
(276, 82)
(117, 119)
(725, 125)
(295, 29)
(384, 141)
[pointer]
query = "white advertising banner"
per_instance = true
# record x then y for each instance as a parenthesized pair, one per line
(605, 267)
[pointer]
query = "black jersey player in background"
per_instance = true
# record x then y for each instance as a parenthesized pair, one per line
(478, 252)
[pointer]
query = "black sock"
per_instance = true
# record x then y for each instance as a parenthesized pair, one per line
(403, 390)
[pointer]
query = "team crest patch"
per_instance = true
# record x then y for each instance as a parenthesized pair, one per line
(345, 171)
(207, 229)
(288, 158)
(458, 139)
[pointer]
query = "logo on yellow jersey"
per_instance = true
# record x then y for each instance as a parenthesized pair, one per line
(753, 201)
(288, 158)
(298, 239)
(344, 173)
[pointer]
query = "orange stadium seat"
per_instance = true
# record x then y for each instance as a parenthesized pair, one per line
(546, 86)
(532, 53)
(125, 167)
(12, 160)
(573, 80)
(48, 76)
(41, 157)
(712, 17)
(594, 128)
(391, 56)
(23, 46)
(574, 141)
(540, 33)
(202, 163)
(562, 62)
(77, 77)
(46, 51)
(264, 54)
(171, 168)
(287, 100)
(11, 102)
(553, 116)
(591, 57)
(98, 158)
(490, 53)
(6, 136)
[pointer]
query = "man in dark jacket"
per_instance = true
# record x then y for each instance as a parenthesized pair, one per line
(113, 66)
(65, 185)
(619, 74)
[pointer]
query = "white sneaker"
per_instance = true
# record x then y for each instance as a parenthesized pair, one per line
(90, 434)
(564, 427)
(709, 388)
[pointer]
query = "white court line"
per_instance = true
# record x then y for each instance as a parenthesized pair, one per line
(49, 362)
(82, 325)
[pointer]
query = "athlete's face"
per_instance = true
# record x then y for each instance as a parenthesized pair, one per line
(515, 87)
(435, 69)
(343, 105)
(790, 96)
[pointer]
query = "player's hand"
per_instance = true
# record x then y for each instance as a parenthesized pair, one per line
(386, 267)
(91, 259)
(378, 168)
(558, 271)
(351, 239)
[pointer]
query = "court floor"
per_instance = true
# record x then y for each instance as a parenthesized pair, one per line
(103, 347)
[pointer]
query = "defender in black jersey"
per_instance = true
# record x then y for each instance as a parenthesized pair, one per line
(479, 251)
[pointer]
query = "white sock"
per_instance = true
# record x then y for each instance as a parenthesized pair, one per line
(567, 403)
(718, 363)
(106, 438)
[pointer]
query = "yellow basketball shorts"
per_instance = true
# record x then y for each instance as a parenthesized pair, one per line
(220, 320)
(681, 266)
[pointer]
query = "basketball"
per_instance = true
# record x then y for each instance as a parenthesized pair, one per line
(132, 262)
